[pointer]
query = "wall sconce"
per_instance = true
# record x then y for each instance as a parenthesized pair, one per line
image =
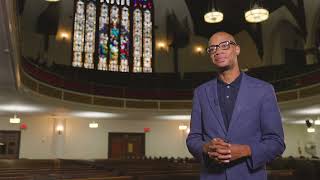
(59, 129)
(162, 45)
(64, 36)
(199, 50)
(15, 120)
(183, 127)
(310, 128)
(93, 125)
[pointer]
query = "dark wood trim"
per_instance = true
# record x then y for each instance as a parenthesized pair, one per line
(110, 134)
(15, 156)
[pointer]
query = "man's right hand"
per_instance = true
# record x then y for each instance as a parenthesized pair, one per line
(218, 150)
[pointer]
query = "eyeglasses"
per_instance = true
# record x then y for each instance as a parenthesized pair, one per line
(223, 45)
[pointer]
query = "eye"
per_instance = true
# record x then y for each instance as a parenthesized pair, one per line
(224, 45)
(211, 49)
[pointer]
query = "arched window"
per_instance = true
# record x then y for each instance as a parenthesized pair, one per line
(113, 35)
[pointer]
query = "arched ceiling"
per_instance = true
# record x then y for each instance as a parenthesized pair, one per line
(233, 11)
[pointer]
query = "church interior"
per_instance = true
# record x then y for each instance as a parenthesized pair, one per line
(102, 89)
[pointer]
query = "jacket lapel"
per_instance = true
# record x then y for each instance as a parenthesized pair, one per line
(242, 100)
(212, 95)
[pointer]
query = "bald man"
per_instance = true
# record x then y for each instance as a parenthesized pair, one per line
(235, 124)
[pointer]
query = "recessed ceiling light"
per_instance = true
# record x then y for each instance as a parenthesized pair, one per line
(310, 111)
(19, 108)
(175, 117)
(91, 114)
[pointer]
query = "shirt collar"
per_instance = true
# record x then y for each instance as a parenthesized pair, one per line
(235, 83)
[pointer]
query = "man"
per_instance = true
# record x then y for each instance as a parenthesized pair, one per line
(235, 122)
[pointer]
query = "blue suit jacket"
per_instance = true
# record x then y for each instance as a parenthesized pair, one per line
(255, 121)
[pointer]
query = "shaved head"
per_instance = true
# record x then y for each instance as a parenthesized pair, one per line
(221, 35)
(225, 56)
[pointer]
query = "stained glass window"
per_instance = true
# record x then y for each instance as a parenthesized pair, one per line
(103, 37)
(147, 42)
(124, 40)
(120, 47)
(78, 35)
(137, 40)
(90, 35)
(114, 38)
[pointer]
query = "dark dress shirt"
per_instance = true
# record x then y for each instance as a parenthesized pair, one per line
(227, 94)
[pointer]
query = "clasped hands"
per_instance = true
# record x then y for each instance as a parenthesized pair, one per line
(223, 152)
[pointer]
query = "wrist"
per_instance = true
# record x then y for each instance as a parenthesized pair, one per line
(247, 151)
(205, 148)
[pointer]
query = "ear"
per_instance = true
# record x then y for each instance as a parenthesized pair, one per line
(238, 50)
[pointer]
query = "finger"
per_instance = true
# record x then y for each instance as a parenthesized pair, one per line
(219, 157)
(222, 143)
(223, 151)
(224, 157)
(224, 161)
(219, 149)
(213, 154)
(217, 160)
(217, 140)
(219, 145)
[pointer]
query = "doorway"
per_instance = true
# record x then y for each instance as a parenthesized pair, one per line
(9, 144)
(126, 145)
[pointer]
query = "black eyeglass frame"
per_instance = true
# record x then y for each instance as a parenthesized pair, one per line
(210, 51)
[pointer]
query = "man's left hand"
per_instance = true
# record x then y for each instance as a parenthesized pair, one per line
(238, 151)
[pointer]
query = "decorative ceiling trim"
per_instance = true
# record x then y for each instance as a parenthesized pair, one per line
(298, 13)
(255, 32)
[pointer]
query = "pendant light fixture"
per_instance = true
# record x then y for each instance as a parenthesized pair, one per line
(257, 13)
(213, 16)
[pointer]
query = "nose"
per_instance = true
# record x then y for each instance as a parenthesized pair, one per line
(218, 51)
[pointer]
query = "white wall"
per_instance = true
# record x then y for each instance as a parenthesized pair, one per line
(297, 136)
(78, 141)
(40, 140)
